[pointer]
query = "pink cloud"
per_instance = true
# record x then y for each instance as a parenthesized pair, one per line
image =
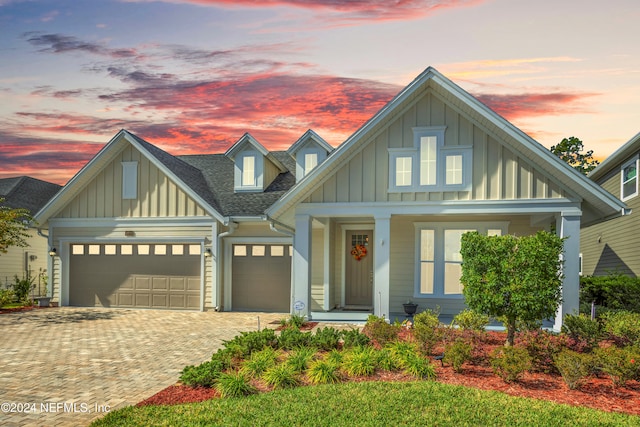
(518, 106)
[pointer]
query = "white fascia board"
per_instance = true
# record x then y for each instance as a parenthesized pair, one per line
(500, 207)
(131, 222)
(309, 135)
(618, 156)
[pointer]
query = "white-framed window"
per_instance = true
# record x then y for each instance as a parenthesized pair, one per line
(248, 171)
(307, 159)
(438, 260)
(129, 180)
(430, 165)
(629, 180)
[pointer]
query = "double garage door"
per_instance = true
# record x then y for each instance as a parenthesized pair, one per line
(261, 278)
(135, 275)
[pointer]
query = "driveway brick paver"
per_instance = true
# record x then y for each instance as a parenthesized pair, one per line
(67, 363)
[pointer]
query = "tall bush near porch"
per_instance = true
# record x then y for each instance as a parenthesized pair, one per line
(516, 278)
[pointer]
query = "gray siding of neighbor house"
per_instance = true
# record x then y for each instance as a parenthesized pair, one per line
(612, 246)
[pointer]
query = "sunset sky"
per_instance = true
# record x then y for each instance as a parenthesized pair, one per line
(194, 76)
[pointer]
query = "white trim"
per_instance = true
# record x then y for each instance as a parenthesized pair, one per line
(449, 207)
(439, 261)
(622, 168)
(131, 222)
(228, 258)
(129, 180)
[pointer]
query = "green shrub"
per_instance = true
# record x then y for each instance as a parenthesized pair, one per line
(247, 342)
(457, 353)
(234, 384)
(324, 372)
(281, 376)
(400, 349)
(326, 338)
(292, 338)
(574, 367)
(259, 362)
(386, 361)
(612, 292)
(582, 327)
(203, 375)
(471, 320)
(360, 361)
(295, 321)
(334, 356)
(621, 364)
(510, 363)
(380, 331)
(542, 347)
(354, 338)
(623, 327)
(299, 360)
(418, 366)
(6, 296)
(22, 288)
(427, 329)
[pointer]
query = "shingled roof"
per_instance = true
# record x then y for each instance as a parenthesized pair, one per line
(217, 170)
(24, 192)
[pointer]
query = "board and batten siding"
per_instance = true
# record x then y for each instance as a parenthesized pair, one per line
(157, 195)
(612, 246)
(498, 172)
(403, 258)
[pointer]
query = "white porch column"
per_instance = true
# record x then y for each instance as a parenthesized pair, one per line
(301, 287)
(568, 226)
(381, 253)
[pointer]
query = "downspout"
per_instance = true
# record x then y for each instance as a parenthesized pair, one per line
(232, 228)
(50, 262)
(281, 228)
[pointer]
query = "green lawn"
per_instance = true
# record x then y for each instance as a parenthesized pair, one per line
(369, 404)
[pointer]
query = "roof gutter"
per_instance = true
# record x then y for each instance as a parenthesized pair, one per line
(279, 227)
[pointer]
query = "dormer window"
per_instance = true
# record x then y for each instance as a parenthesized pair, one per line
(310, 162)
(248, 171)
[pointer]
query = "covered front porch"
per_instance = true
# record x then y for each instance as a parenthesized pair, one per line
(348, 265)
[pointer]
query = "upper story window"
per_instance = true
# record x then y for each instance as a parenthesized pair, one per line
(629, 180)
(248, 171)
(430, 165)
(307, 159)
(129, 180)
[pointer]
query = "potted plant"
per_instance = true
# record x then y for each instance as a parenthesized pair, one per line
(410, 308)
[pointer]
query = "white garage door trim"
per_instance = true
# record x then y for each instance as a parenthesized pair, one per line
(228, 258)
(65, 258)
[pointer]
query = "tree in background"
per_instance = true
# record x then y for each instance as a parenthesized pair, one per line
(570, 151)
(517, 279)
(13, 231)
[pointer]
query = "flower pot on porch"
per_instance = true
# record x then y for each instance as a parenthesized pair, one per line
(410, 309)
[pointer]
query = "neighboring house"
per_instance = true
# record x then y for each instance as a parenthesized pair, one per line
(374, 224)
(611, 246)
(32, 194)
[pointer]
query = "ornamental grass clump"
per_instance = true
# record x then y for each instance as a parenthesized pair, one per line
(324, 371)
(259, 362)
(300, 358)
(510, 363)
(574, 367)
(234, 384)
(360, 362)
(281, 376)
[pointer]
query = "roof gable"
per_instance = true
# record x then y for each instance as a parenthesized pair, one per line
(186, 177)
(496, 127)
(309, 138)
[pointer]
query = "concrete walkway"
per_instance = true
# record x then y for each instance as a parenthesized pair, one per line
(68, 366)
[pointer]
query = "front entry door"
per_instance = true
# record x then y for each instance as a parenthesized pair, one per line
(359, 268)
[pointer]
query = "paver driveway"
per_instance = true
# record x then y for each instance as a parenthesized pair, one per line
(66, 366)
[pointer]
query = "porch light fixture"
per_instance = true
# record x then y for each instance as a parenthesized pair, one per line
(207, 253)
(53, 252)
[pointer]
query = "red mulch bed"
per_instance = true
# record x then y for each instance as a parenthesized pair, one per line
(16, 309)
(597, 393)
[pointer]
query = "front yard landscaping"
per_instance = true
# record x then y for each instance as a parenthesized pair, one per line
(388, 374)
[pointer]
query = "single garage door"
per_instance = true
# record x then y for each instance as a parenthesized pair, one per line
(261, 278)
(135, 275)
